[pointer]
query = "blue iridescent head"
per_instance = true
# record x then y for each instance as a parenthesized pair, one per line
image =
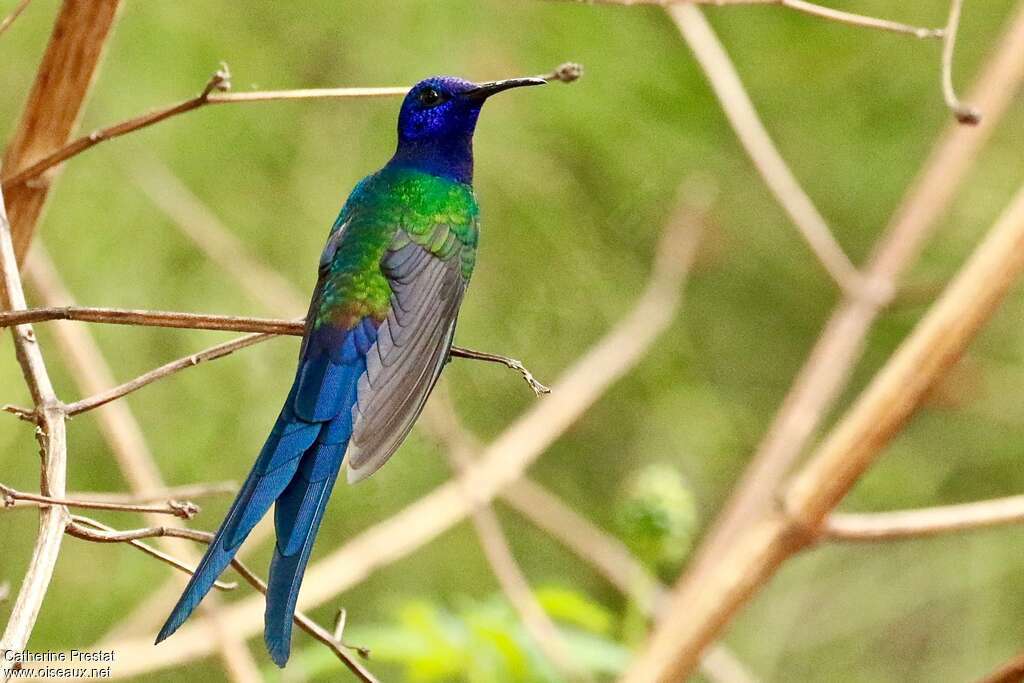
(436, 123)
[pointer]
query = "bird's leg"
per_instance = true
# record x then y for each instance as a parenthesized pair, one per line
(511, 363)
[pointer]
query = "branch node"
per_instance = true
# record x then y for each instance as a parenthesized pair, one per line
(183, 508)
(565, 73)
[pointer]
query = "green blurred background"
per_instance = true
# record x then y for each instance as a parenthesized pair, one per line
(575, 184)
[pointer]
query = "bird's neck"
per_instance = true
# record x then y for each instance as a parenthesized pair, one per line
(450, 158)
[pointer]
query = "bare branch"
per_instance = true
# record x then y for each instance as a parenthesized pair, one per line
(890, 526)
(213, 93)
(742, 115)
(829, 365)
(182, 509)
(799, 6)
(892, 397)
(52, 437)
(511, 363)
(15, 13)
(107, 535)
(84, 528)
(964, 113)
(117, 316)
(1010, 672)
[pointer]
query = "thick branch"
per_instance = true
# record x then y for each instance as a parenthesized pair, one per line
(54, 105)
(890, 526)
(692, 622)
(829, 365)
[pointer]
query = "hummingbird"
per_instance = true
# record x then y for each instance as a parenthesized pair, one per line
(379, 330)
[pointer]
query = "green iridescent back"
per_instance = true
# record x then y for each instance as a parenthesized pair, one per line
(384, 212)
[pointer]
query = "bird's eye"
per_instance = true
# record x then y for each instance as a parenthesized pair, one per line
(430, 97)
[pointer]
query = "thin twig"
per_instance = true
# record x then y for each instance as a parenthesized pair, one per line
(890, 526)
(799, 6)
(84, 528)
(107, 535)
(178, 508)
(215, 92)
(964, 113)
(15, 13)
(728, 88)
(265, 327)
(691, 623)
(829, 365)
(502, 463)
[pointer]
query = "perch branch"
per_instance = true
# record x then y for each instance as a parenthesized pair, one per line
(830, 363)
(54, 105)
(888, 526)
(740, 111)
(106, 535)
(889, 401)
(15, 13)
(964, 113)
(503, 462)
(178, 508)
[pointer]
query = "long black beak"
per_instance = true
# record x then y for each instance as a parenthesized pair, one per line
(485, 90)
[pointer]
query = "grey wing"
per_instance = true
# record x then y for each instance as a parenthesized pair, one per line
(411, 349)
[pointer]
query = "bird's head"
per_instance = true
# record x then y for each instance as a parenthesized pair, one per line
(445, 107)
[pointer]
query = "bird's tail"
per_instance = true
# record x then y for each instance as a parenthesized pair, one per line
(274, 470)
(297, 517)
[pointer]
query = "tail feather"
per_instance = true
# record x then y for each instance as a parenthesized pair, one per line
(261, 489)
(298, 514)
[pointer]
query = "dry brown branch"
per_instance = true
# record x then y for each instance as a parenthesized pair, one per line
(52, 437)
(54, 105)
(122, 431)
(15, 13)
(945, 519)
(964, 113)
(692, 622)
(265, 327)
(742, 115)
(179, 508)
(84, 528)
(501, 463)
(100, 533)
(799, 6)
(458, 446)
(828, 367)
(1010, 672)
(215, 92)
